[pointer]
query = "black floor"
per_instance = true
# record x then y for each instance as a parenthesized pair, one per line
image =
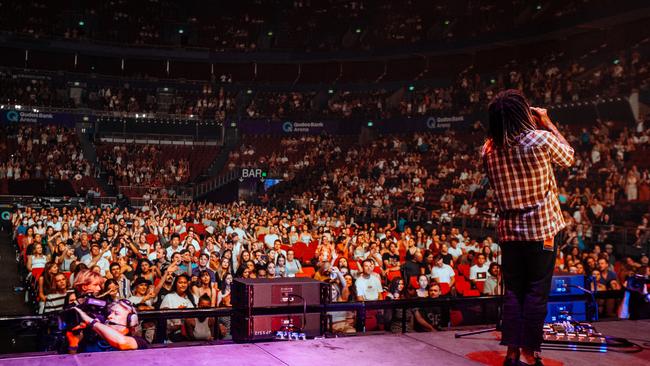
(11, 302)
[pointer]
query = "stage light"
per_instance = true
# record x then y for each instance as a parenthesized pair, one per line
(447, 22)
(370, 123)
(269, 33)
(35, 110)
(233, 124)
(539, 7)
(411, 87)
(358, 30)
(18, 106)
(181, 31)
(330, 91)
(492, 81)
(616, 61)
(249, 91)
(82, 23)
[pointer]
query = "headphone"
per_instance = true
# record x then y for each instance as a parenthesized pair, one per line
(131, 319)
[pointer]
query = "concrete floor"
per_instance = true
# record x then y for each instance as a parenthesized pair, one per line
(403, 350)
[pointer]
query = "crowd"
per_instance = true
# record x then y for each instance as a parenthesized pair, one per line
(434, 177)
(555, 78)
(141, 165)
(41, 152)
(186, 256)
(251, 25)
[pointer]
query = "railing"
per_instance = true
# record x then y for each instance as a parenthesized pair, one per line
(85, 111)
(92, 201)
(482, 310)
(159, 139)
(181, 192)
(210, 185)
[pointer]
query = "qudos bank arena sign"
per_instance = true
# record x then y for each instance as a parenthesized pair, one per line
(18, 116)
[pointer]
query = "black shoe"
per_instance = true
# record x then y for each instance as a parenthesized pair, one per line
(510, 362)
(538, 362)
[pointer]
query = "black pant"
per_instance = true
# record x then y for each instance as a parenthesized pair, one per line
(527, 272)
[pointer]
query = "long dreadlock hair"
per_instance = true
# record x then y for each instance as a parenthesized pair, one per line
(509, 116)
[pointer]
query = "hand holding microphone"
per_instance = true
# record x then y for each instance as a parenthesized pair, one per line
(540, 116)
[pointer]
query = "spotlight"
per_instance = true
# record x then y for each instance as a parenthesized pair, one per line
(269, 33)
(181, 31)
(370, 123)
(249, 91)
(82, 23)
(411, 87)
(330, 91)
(447, 22)
(358, 30)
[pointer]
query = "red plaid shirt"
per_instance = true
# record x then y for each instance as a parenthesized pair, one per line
(524, 185)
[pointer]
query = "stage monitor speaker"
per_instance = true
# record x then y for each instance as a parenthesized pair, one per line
(277, 292)
(565, 285)
(265, 327)
(559, 311)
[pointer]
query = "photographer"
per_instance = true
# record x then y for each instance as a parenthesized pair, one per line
(113, 334)
(108, 327)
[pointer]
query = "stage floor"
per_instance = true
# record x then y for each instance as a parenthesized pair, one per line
(410, 349)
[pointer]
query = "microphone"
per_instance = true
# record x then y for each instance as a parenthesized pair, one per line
(566, 285)
(114, 323)
(590, 293)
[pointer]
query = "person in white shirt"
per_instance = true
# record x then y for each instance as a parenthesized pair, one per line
(180, 298)
(174, 246)
(55, 223)
(442, 273)
(478, 272)
(368, 286)
(95, 257)
(271, 237)
(454, 249)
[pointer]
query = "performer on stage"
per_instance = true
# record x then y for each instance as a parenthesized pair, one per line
(521, 149)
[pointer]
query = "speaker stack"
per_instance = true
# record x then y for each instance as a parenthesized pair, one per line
(263, 307)
(566, 299)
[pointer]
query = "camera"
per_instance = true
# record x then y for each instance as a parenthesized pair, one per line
(637, 282)
(96, 308)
